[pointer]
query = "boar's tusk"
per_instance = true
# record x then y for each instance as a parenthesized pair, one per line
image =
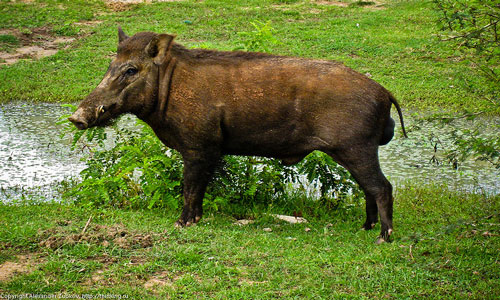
(99, 111)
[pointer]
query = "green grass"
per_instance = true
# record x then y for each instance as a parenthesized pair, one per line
(8, 42)
(31, 14)
(395, 44)
(446, 246)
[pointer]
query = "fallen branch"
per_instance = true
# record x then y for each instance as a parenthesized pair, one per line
(87, 224)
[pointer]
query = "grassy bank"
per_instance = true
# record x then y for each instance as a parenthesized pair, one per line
(394, 42)
(447, 246)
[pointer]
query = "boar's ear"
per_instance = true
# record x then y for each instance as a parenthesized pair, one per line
(121, 35)
(158, 47)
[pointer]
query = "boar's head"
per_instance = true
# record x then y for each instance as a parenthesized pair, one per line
(131, 83)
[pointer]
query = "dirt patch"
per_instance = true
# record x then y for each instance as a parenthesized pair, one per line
(105, 277)
(334, 3)
(120, 5)
(117, 235)
(140, 1)
(33, 44)
(159, 280)
(88, 23)
(361, 3)
(23, 264)
(124, 5)
(245, 281)
(100, 276)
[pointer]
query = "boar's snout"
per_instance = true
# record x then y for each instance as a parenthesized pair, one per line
(78, 120)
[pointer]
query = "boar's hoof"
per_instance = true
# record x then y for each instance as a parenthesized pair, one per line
(368, 226)
(182, 223)
(178, 224)
(384, 237)
(189, 217)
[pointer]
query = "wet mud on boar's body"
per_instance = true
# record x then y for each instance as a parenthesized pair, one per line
(207, 104)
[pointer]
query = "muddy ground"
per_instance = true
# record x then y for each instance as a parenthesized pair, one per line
(64, 235)
(32, 44)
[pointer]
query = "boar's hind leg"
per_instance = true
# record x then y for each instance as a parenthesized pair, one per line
(197, 173)
(362, 162)
(371, 212)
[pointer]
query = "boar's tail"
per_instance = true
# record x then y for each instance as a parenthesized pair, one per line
(396, 104)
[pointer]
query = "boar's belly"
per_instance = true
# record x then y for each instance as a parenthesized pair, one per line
(279, 141)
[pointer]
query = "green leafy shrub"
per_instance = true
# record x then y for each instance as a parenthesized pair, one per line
(334, 182)
(249, 181)
(256, 182)
(130, 169)
(260, 39)
(137, 172)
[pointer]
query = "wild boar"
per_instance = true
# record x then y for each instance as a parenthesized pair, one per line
(206, 104)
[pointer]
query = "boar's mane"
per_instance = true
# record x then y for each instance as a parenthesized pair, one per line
(178, 49)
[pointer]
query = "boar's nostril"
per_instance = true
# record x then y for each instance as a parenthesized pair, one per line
(81, 125)
(78, 123)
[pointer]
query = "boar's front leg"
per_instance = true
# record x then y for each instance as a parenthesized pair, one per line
(198, 170)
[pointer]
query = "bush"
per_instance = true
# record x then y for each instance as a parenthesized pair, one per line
(260, 39)
(137, 172)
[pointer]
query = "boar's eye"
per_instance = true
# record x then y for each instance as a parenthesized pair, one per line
(131, 71)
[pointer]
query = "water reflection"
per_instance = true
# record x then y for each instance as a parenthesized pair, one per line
(32, 153)
(421, 157)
